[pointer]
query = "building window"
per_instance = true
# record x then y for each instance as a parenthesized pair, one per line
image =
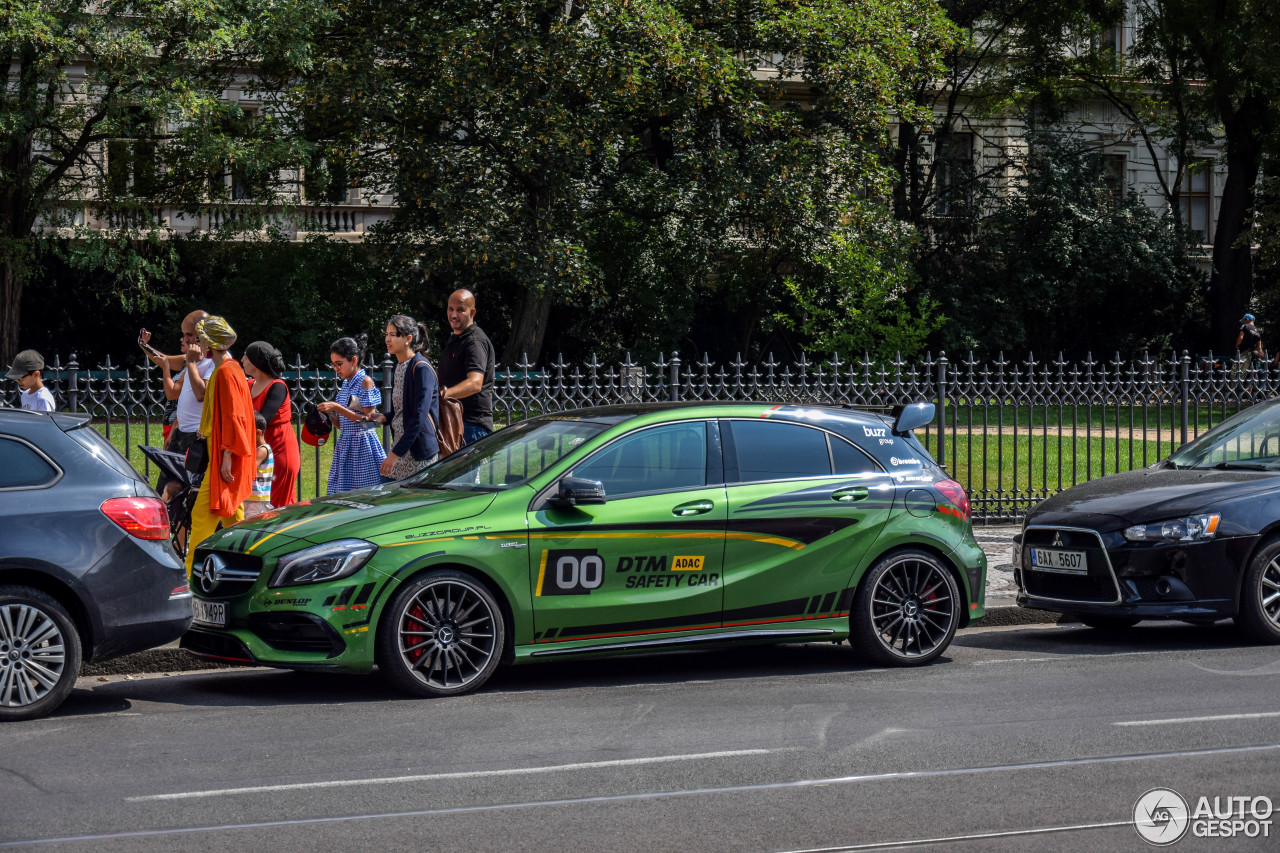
(1111, 46)
(953, 173)
(1113, 166)
(131, 167)
(325, 181)
(1196, 194)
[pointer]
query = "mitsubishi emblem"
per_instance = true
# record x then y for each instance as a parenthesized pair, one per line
(1057, 540)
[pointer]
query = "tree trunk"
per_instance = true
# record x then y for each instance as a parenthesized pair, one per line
(1231, 283)
(528, 332)
(10, 310)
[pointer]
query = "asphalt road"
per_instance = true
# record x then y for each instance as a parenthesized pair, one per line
(1024, 738)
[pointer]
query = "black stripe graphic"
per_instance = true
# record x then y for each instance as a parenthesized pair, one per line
(806, 530)
(365, 592)
(846, 600)
(344, 596)
(827, 601)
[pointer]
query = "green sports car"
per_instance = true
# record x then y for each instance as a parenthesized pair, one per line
(609, 530)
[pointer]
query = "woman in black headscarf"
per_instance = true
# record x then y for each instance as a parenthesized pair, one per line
(263, 364)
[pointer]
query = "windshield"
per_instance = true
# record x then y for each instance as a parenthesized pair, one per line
(1249, 440)
(509, 456)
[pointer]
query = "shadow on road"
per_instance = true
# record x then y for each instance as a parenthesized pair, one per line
(252, 687)
(1078, 639)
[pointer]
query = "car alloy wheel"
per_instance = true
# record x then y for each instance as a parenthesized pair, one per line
(39, 653)
(1260, 595)
(441, 635)
(906, 611)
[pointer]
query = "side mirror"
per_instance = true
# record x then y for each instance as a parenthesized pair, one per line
(578, 491)
(907, 418)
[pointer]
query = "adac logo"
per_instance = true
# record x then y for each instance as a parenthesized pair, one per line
(209, 573)
(1161, 816)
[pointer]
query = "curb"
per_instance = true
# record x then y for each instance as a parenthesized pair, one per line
(172, 659)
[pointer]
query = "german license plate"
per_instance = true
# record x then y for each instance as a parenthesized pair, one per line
(210, 612)
(1065, 562)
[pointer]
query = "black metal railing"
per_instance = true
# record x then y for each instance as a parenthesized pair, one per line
(1012, 432)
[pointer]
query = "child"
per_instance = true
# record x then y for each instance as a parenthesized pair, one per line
(359, 453)
(26, 369)
(259, 501)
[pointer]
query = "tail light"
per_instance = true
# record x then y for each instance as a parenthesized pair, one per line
(143, 518)
(954, 492)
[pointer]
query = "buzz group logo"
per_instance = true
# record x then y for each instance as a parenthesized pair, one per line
(1162, 817)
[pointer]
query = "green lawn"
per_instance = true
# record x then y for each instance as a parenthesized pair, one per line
(1012, 464)
(315, 461)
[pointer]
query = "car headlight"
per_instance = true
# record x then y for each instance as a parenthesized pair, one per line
(322, 563)
(1195, 528)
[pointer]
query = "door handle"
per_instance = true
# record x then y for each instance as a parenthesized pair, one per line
(849, 494)
(692, 508)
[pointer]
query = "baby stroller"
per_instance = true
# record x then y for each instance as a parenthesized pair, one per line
(173, 464)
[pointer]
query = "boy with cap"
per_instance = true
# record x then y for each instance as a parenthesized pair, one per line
(26, 369)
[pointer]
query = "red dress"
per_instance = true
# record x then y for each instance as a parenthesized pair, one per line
(284, 447)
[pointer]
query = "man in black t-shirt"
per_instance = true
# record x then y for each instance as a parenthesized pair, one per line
(466, 367)
(1249, 343)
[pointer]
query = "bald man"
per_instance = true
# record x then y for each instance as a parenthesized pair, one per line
(467, 366)
(193, 367)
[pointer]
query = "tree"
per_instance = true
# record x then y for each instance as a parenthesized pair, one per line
(1199, 72)
(1066, 266)
(520, 138)
(114, 106)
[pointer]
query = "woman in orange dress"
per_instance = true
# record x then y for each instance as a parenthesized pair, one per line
(263, 364)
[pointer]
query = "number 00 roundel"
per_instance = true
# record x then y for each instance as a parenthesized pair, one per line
(570, 572)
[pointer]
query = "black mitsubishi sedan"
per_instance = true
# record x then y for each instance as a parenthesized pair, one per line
(1195, 537)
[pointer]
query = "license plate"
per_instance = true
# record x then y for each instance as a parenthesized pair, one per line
(210, 612)
(1065, 562)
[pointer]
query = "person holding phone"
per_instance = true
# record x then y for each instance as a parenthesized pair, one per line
(186, 376)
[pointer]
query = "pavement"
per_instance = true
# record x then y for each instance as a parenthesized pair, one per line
(996, 542)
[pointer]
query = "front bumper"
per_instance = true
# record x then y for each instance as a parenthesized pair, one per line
(1147, 580)
(318, 626)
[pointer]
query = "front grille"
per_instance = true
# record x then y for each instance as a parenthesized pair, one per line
(297, 632)
(221, 646)
(235, 573)
(1097, 586)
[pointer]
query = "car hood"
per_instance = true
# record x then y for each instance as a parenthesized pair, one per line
(367, 513)
(1147, 495)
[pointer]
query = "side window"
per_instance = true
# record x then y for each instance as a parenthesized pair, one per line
(653, 460)
(847, 459)
(23, 468)
(771, 450)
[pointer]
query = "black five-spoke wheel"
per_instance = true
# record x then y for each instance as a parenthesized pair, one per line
(906, 611)
(39, 653)
(441, 635)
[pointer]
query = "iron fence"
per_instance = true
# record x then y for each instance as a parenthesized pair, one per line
(1012, 432)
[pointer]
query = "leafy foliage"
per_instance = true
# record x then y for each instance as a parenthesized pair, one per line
(111, 106)
(1068, 267)
(526, 142)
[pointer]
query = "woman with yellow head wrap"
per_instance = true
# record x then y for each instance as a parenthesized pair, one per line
(226, 423)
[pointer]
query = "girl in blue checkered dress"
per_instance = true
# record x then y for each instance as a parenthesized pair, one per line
(359, 453)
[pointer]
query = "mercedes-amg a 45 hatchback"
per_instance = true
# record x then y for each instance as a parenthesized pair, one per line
(604, 531)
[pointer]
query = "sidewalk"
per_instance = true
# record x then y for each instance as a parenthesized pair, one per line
(996, 542)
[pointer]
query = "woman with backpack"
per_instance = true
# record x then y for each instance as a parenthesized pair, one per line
(415, 402)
